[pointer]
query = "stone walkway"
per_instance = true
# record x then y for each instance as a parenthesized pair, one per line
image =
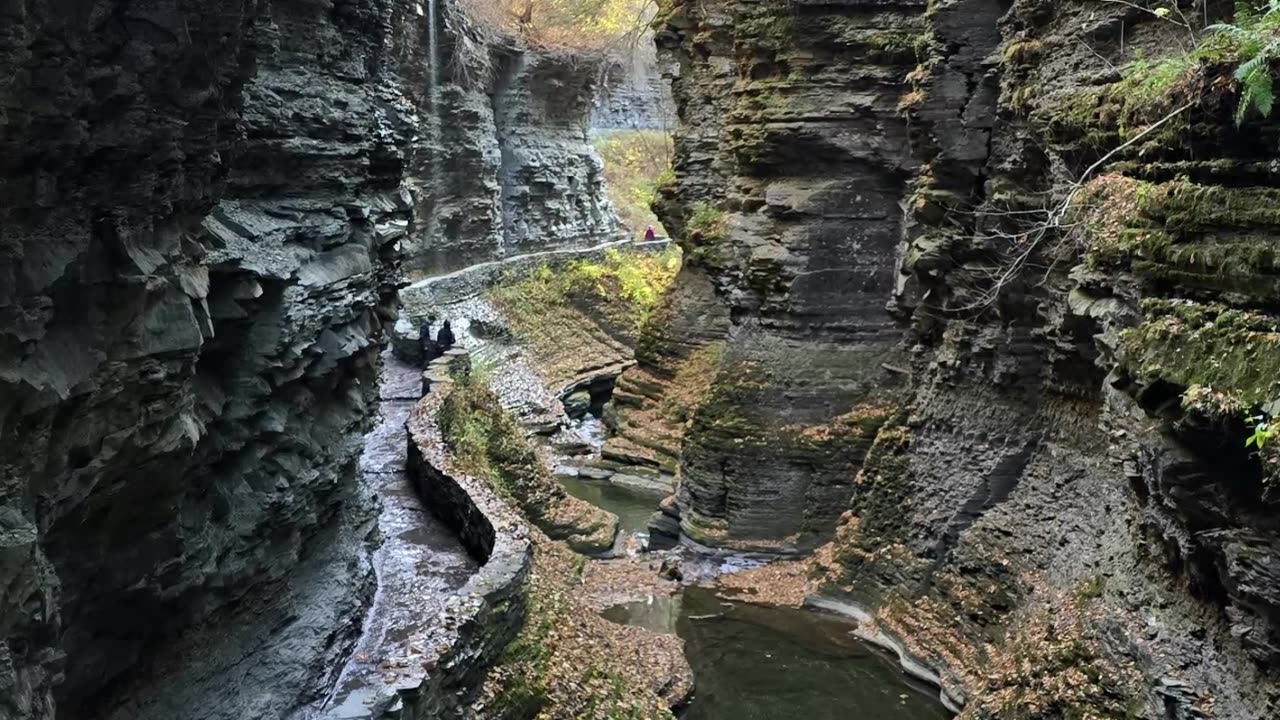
(420, 565)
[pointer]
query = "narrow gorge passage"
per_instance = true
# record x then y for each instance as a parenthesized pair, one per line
(802, 351)
(673, 592)
(420, 564)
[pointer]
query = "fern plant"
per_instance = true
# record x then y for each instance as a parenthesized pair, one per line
(1255, 37)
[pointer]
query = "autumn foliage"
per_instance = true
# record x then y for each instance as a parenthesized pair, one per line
(581, 24)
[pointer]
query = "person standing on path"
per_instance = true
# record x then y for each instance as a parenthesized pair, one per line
(445, 339)
(428, 345)
(650, 235)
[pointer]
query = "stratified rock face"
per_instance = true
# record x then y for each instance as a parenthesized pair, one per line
(553, 192)
(790, 175)
(197, 254)
(1062, 498)
(516, 171)
(634, 95)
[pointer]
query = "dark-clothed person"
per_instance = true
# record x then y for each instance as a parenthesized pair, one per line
(445, 339)
(430, 351)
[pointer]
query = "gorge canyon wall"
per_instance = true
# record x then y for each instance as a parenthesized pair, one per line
(952, 318)
(515, 171)
(1012, 377)
(205, 211)
(634, 93)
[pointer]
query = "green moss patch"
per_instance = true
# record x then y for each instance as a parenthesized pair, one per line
(1184, 234)
(1106, 115)
(706, 234)
(621, 290)
(1232, 352)
(488, 443)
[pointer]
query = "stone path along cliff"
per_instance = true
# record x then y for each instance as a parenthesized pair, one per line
(420, 565)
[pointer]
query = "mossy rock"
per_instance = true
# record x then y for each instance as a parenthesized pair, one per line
(1185, 235)
(1185, 343)
(489, 443)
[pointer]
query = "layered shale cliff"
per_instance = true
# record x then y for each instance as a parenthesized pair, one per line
(202, 208)
(998, 299)
(791, 164)
(200, 216)
(515, 171)
(634, 95)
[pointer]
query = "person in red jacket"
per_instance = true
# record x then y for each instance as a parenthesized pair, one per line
(650, 235)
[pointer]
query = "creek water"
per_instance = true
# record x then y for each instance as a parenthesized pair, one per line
(760, 663)
(752, 662)
(632, 507)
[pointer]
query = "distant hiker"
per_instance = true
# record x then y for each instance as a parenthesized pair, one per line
(650, 235)
(445, 339)
(429, 350)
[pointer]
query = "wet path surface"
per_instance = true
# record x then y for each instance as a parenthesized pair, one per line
(420, 563)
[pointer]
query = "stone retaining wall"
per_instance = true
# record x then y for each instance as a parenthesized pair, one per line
(491, 607)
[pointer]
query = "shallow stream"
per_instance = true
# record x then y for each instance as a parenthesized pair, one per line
(752, 662)
(761, 663)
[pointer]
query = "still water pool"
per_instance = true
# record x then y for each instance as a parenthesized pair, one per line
(757, 663)
(632, 507)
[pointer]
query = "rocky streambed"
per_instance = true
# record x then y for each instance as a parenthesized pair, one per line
(749, 660)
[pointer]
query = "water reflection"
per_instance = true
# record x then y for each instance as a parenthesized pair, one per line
(633, 508)
(756, 663)
(659, 614)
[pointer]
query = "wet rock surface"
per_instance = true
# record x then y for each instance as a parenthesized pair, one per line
(633, 94)
(1051, 464)
(420, 565)
(196, 274)
(200, 235)
(515, 171)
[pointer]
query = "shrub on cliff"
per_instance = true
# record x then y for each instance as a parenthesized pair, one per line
(1254, 38)
(1251, 42)
(635, 163)
(622, 291)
